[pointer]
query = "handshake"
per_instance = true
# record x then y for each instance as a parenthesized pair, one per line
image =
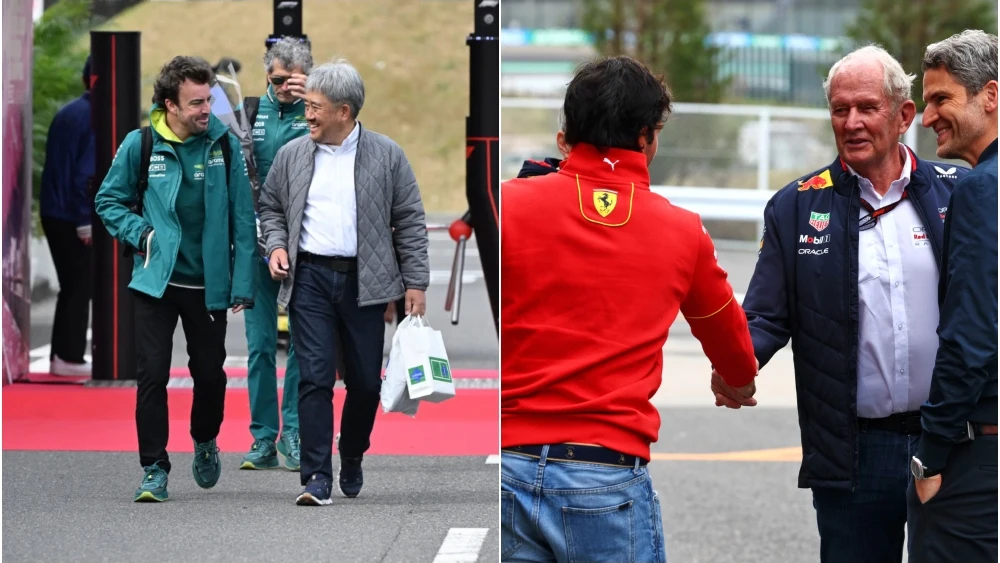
(733, 397)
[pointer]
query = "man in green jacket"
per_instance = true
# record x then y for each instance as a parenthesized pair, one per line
(280, 118)
(195, 258)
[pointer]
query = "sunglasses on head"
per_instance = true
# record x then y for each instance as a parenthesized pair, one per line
(279, 80)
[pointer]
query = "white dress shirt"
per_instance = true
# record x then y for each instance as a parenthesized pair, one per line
(897, 304)
(330, 222)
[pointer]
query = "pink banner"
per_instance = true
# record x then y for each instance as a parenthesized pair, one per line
(17, 49)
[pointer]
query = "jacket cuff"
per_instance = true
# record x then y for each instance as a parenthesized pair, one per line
(246, 302)
(933, 452)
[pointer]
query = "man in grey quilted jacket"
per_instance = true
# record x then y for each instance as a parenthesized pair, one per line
(344, 228)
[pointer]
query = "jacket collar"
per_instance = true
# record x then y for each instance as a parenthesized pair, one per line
(990, 151)
(614, 166)
(843, 181)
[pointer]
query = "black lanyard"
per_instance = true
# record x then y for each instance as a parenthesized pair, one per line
(869, 221)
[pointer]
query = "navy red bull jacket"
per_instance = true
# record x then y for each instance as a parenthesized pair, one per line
(69, 165)
(805, 288)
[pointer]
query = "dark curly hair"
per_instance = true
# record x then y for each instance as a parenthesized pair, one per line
(612, 101)
(174, 73)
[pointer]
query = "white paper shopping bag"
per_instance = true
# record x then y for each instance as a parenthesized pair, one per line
(394, 395)
(428, 372)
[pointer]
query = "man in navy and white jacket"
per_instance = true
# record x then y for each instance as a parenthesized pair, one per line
(848, 271)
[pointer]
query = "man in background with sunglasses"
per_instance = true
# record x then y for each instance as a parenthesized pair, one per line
(276, 118)
(848, 270)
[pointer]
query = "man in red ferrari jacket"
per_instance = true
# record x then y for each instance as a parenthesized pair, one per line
(595, 269)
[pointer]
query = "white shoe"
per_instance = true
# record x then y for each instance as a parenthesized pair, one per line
(58, 366)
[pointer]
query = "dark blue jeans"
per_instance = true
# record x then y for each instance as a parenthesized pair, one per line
(324, 305)
(867, 525)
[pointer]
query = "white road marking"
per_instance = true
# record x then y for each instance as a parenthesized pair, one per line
(461, 545)
(493, 459)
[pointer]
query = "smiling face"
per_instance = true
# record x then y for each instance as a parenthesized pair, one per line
(327, 121)
(960, 121)
(865, 123)
(193, 108)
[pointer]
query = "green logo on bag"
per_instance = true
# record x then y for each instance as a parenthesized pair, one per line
(417, 375)
(440, 370)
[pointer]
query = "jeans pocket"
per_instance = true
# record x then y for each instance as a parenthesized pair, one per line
(600, 534)
(509, 540)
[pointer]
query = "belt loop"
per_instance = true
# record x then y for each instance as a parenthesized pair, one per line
(544, 455)
(636, 469)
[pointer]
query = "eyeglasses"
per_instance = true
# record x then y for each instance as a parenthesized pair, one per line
(871, 219)
(279, 80)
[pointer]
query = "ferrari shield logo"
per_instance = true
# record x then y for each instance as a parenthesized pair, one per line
(604, 201)
(819, 221)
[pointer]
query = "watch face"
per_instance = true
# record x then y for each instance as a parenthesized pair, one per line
(915, 468)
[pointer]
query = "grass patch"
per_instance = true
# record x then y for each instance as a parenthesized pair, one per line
(411, 54)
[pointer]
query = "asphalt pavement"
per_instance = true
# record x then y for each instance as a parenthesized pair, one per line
(727, 478)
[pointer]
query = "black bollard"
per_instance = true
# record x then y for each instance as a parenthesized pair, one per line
(482, 128)
(116, 111)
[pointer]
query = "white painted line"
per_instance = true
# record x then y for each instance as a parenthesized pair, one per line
(493, 459)
(461, 545)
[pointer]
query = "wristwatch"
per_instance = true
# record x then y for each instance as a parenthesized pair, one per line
(919, 471)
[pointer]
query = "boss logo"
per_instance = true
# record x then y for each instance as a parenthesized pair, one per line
(156, 158)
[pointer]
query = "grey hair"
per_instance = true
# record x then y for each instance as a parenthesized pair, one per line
(340, 83)
(970, 57)
(895, 82)
(291, 53)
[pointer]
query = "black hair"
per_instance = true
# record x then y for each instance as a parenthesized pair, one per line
(174, 73)
(612, 101)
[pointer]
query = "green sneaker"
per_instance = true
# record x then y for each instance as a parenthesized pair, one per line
(262, 455)
(154, 485)
(289, 447)
(206, 466)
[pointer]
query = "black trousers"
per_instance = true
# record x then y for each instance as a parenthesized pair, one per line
(324, 311)
(959, 523)
(155, 322)
(72, 260)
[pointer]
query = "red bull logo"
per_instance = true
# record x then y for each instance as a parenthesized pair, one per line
(817, 182)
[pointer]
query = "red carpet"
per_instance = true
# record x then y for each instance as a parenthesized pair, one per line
(235, 372)
(76, 418)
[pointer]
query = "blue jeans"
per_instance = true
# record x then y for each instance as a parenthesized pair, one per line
(573, 512)
(867, 525)
(324, 305)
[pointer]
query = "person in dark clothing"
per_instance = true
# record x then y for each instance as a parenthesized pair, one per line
(65, 209)
(952, 502)
(847, 270)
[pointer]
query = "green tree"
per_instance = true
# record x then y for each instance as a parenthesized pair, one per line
(905, 29)
(56, 74)
(669, 36)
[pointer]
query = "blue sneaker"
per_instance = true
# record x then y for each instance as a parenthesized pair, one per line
(154, 485)
(316, 493)
(289, 446)
(206, 466)
(350, 476)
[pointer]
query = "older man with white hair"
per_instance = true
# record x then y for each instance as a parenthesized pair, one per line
(338, 207)
(953, 502)
(848, 270)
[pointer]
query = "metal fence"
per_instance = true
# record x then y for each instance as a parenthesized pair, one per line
(721, 161)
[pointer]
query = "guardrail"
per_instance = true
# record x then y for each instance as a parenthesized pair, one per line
(714, 203)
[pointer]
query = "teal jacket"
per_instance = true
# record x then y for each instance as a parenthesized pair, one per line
(276, 124)
(229, 238)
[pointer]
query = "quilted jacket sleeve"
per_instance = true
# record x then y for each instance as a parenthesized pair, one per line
(272, 202)
(409, 227)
